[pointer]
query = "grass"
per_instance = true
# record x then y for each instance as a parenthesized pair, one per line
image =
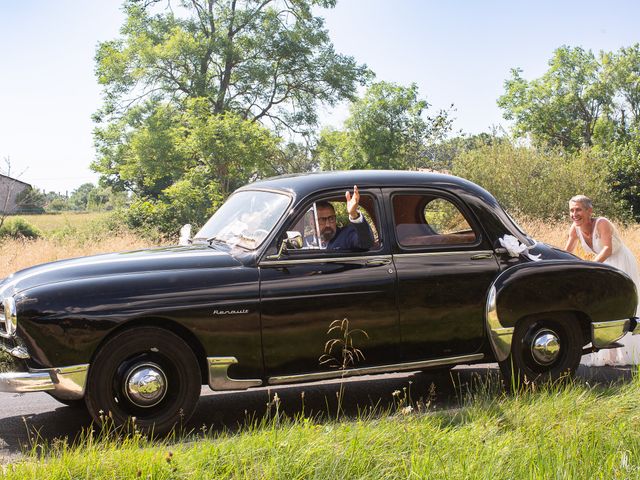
(54, 221)
(559, 431)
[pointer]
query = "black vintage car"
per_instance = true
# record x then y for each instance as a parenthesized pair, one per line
(448, 278)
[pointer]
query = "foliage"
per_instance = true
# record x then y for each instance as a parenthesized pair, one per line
(262, 59)
(582, 100)
(386, 129)
(562, 107)
(187, 89)
(538, 183)
(577, 431)
(16, 227)
(209, 157)
(30, 200)
(624, 173)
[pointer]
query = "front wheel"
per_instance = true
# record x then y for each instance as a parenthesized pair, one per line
(148, 373)
(543, 349)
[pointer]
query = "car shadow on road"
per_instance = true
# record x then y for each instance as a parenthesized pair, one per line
(362, 396)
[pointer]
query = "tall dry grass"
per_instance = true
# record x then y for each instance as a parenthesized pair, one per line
(18, 254)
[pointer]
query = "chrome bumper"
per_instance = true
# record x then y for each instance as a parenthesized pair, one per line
(606, 333)
(65, 382)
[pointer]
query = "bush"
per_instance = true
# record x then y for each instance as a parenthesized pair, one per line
(538, 183)
(18, 228)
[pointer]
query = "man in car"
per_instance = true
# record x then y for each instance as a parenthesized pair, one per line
(355, 236)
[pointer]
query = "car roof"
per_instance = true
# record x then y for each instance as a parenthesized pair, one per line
(303, 184)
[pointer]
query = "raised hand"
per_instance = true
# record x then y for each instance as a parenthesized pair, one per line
(352, 202)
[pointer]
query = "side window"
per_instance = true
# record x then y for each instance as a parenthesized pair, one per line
(325, 224)
(425, 220)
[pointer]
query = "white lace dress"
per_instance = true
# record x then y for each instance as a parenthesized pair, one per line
(623, 259)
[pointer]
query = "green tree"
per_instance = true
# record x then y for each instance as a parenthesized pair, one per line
(190, 86)
(563, 107)
(387, 128)
(268, 60)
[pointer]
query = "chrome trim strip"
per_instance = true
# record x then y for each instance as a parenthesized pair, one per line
(499, 336)
(430, 254)
(399, 367)
(219, 380)
(272, 263)
(605, 333)
(67, 382)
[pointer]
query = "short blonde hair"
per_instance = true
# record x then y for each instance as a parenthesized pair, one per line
(583, 200)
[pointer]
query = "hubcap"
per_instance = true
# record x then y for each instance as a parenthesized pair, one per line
(145, 385)
(545, 347)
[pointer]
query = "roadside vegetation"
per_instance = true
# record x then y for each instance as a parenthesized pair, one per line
(558, 431)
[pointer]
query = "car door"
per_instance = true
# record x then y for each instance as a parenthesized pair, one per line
(302, 292)
(445, 266)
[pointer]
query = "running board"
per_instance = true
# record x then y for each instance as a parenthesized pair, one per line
(353, 372)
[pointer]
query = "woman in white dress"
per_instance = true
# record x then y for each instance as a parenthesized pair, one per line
(599, 237)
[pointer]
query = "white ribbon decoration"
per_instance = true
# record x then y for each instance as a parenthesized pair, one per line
(515, 248)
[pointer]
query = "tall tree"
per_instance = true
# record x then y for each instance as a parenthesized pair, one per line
(196, 93)
(387, 128)
(267, 60)
(563, 107)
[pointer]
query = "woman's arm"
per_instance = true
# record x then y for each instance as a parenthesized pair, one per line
(605, 231)
(572, 241)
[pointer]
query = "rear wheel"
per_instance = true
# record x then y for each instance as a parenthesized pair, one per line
(543, 348)
(145, 373)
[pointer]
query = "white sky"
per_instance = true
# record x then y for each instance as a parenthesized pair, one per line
(457, 51)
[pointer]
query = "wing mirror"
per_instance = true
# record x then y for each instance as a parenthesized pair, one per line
(292, 241)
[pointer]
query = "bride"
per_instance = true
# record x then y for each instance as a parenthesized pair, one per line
(599, 237)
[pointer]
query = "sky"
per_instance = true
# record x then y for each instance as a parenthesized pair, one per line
(458, 52)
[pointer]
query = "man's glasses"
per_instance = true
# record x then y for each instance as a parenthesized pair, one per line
(329, 219)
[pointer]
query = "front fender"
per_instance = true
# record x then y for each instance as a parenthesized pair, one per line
(600, 292)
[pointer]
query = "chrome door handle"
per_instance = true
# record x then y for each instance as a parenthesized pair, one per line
(377, 262)
(482, 256)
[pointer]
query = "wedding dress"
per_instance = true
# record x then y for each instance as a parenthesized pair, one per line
(623, 259)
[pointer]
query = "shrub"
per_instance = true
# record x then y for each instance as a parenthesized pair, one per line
(18, 228)
(538, 183)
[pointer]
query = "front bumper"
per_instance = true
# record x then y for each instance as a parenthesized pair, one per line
(66, 382)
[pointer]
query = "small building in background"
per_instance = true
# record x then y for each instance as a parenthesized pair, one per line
(10, 190)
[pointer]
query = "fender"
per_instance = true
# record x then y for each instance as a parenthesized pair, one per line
(598, 291)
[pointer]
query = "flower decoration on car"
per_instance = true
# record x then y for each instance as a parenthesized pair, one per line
(515, 248)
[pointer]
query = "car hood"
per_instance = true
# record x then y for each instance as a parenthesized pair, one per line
(122, 263)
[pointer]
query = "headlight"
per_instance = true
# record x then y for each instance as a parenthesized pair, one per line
(10, 316)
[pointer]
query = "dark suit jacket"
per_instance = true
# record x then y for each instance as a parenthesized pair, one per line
(355, 236)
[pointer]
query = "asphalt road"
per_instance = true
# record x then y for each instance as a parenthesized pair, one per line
(24, 417)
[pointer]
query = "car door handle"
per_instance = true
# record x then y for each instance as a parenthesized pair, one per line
(482, 256)
(376, 262)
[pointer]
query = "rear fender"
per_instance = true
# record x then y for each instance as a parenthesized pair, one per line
(597, 291)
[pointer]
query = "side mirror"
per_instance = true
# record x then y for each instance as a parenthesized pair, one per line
(293, 241)
(185, 235)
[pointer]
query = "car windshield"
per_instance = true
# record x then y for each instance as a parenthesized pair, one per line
(245, 219)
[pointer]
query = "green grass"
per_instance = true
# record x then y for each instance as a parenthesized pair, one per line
(65, 220)
(564, 431)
